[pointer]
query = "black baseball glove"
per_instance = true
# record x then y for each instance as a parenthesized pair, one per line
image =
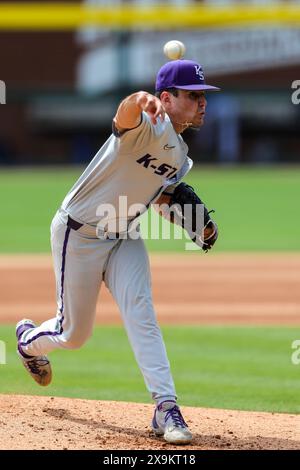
(188, 210)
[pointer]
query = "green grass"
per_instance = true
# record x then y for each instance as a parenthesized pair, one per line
(222, 367)
(257, 209)
(29, 200)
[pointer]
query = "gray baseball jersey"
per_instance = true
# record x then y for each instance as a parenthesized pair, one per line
(138, 164)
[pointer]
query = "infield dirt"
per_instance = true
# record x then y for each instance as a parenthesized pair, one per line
(187, 289)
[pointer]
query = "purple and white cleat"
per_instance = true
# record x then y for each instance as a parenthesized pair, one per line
(38, 367)
(168, 422)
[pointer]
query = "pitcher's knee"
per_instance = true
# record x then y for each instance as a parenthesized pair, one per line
(74, 341)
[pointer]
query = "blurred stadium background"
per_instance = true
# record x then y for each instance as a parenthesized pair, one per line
(64, 82)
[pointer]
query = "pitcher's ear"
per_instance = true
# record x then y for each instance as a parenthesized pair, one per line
(165, 97)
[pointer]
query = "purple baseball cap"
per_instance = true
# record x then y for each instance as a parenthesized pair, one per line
(183, 74)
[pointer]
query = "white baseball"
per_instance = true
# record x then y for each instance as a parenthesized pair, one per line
(174, 50)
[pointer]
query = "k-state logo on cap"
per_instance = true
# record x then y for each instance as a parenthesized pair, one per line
(199, 72)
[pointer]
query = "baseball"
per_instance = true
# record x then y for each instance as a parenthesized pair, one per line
(174, 50)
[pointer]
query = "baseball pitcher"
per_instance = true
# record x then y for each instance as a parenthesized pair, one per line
(144, 159)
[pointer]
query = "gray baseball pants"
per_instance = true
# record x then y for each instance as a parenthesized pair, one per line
(81, 262)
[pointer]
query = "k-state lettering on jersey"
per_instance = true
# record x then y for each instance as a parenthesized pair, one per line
(140, 163)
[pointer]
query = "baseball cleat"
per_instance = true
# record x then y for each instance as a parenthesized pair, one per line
(38, 367)
(169, 423)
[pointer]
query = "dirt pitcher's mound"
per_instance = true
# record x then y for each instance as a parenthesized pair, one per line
(62, 423)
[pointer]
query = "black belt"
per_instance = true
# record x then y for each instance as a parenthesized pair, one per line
(77, 225)
(73, 224)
